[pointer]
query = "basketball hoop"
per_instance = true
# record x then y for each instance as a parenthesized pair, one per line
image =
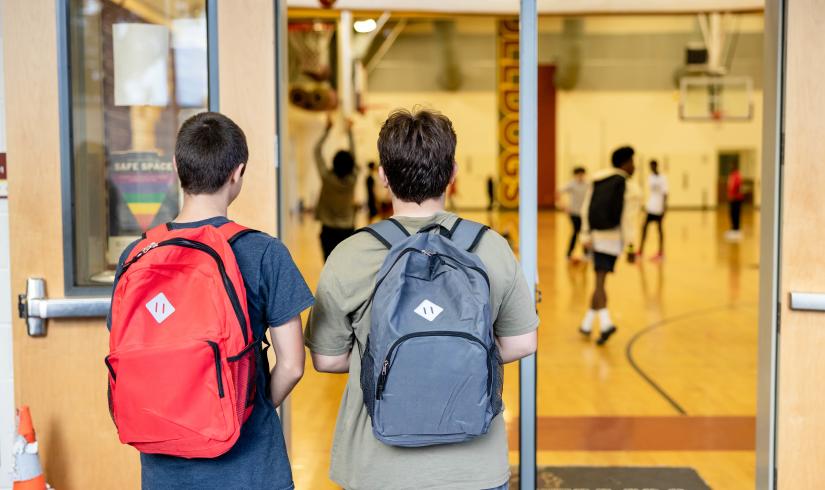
(310, 72)
(310, 42)
(716, 98)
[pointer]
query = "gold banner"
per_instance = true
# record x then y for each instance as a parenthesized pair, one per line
(508, 115)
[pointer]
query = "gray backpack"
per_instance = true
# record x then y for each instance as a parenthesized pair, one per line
(430, 371)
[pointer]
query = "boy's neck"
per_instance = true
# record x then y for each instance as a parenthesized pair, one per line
(198, 207)
(414, 210)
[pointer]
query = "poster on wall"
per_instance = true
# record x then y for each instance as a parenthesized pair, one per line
(141, 61)
(143, 193)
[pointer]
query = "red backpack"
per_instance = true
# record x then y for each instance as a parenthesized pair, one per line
(181, 350)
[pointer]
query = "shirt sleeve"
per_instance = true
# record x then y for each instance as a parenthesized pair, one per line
(584, 234)
(632, 198)
(282, 286)
(329, 331)
(517, 314)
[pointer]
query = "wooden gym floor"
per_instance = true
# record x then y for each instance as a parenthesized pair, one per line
(676, 386)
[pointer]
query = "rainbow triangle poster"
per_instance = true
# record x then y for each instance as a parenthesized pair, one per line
(144, 188)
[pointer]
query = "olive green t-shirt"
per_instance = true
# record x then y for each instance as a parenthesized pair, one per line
(359, 460)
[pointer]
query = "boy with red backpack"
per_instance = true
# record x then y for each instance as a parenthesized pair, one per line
(189, 382)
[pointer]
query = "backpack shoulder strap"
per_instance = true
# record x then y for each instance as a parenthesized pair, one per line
(388, 232)
(231, 231)
(466, 234)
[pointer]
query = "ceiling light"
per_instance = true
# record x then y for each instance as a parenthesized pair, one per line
(364, 26)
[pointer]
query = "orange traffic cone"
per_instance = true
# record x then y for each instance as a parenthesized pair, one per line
(28, 474)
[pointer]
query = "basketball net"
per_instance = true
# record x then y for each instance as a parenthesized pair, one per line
(310, 42)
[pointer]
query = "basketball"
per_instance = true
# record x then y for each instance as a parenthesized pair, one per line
(327, 3)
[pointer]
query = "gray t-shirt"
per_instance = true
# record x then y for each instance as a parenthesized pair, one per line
(576, 191)
(359, 460)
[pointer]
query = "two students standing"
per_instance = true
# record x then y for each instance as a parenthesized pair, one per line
(417, 152)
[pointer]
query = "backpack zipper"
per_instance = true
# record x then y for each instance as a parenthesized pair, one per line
(227, 283)
(428, 253)
(385, 369)
(217, 352)
(110, 368)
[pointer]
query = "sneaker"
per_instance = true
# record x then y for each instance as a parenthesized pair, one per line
(657, 258)
(606, 335)
(585, 333)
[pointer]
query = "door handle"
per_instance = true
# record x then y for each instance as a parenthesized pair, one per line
(807, 301)
(36, 308)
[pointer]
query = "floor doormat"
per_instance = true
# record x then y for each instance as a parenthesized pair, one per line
(614, 478)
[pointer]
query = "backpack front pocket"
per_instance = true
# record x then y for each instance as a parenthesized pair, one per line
(169, 393)
(433, 387)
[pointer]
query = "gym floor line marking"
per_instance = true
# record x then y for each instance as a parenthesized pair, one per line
(662, 323)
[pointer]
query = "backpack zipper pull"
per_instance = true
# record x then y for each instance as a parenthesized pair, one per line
(146, 249)
(382, 380)
(428, 253)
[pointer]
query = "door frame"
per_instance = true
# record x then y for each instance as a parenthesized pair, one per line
(528, 226)
(770, 245)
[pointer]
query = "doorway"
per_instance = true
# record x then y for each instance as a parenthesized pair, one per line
(744, 161)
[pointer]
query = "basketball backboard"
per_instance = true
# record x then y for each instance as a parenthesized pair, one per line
(715, 98)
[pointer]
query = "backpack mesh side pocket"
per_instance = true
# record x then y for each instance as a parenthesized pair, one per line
(243, 374)
(496, 400)
(368, 379)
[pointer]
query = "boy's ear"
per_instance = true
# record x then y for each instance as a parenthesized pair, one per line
(383, 177)
(455, 173)
(237, 174)
(175, 164)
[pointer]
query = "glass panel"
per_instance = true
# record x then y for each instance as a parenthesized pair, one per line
(138, 69)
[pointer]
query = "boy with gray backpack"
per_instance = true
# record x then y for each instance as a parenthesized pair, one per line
(421, 310)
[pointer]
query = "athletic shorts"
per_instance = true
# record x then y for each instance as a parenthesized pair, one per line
(604, 262)
(654, 217)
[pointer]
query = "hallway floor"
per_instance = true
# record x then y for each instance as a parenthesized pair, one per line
(676, 386)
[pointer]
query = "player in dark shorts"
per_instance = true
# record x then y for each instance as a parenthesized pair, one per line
(607, 230)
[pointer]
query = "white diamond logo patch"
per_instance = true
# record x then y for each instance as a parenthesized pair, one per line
(160, 307)
(428, 310)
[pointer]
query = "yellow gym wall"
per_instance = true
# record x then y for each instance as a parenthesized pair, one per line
(638, 106)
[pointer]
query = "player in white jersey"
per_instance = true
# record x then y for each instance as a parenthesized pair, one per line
(655, 207)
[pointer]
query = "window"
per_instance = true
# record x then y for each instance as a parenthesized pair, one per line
(132, 72)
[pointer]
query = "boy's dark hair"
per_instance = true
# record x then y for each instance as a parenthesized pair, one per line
(579, 170)
(209, 147)
(371, 165)
(417, 152)
(343, 163)
(621, 156)
(654, 163)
